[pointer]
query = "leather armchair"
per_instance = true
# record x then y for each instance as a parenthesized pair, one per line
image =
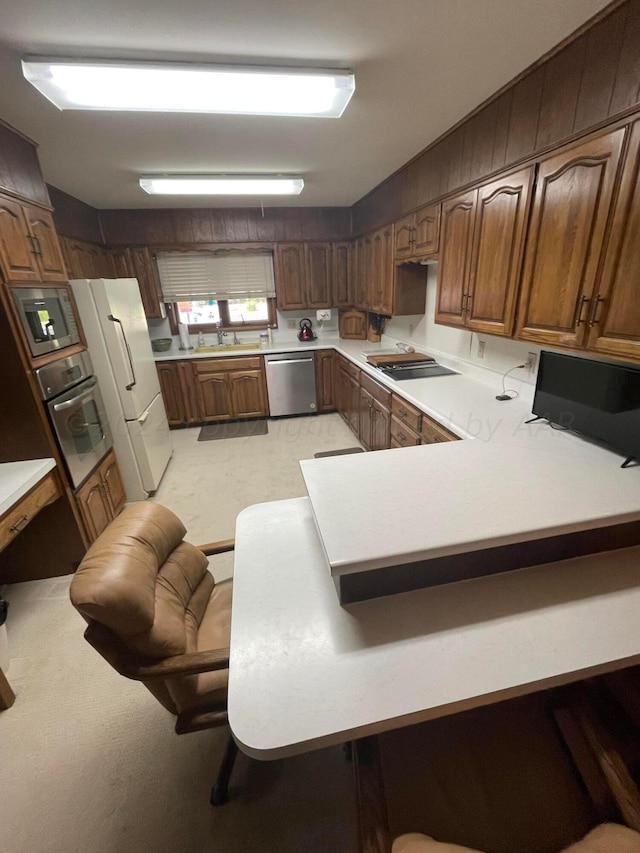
(608, 838)
(156, 614)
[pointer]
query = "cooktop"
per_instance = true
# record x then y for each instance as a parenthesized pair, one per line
(415, 370)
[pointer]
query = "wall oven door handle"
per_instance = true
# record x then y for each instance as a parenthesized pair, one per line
(126, 343)
(69, 404)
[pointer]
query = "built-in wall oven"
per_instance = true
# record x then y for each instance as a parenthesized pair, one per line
(47, 317)
(77, 414)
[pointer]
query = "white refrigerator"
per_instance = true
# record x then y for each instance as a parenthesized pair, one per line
(117, 336)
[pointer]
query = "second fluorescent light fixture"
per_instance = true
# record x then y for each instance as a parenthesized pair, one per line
(221, 185)
(83, 84)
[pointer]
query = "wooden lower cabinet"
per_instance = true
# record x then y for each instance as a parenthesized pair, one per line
(402, 435)
(324, 365)
(102, 497)
(375, 414)
(248, 394)
(228, 388)
(432, 432)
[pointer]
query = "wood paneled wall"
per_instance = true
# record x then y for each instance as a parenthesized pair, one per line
(74, 218)
(19, 167)
(210, 225)
(590, 81)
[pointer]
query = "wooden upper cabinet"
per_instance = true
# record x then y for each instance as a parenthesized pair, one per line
(47, 248)
(363, 273)
(17, 256)
(426, 234)
(404, 237)
(614, 320)
(498, 247)
(290, 275)
(417, 235)
(570, 212)
(343, 279)
(318, 275)
(384, 271)
(456, 233)
(143, 267)
(121, 263)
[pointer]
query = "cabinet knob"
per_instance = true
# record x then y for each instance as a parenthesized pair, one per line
(583, 302)
(20, 524)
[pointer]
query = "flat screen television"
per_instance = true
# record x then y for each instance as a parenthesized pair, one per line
(598, 399)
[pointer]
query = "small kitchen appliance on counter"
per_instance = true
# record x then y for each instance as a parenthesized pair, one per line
(306, 332)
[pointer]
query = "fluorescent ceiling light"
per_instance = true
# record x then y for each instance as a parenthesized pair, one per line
(221, 185)
(181, 87)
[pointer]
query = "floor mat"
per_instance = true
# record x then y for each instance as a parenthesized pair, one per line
(233, 429)
(338, 452)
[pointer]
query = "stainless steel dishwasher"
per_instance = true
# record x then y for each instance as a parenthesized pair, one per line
(291, 383)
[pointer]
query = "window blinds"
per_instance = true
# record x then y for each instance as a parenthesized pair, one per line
(192, 276)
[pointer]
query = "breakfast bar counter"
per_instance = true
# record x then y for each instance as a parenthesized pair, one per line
(306, 672)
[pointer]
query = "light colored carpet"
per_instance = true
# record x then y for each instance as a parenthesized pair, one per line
(207, 483)
(90, 761)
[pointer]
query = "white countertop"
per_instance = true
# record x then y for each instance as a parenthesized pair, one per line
(398, 506)
(306, 672)
(17, 478)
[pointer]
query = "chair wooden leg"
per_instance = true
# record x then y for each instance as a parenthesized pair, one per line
(220, 791)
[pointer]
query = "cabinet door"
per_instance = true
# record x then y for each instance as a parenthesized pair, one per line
(456, 235)
(614, 325)
(290, 276)
(570, 212)
(143, 267)
(17, 248)
(214, 399)
(343, 394)
(380, 426)
(48, 254)
(324, 380)
(318, 275)
(384, 271)
(403, 243)
(122, 263)
(94, 505)
(363, 273)
(365, 418)
(426, 235)
(190, 396)
(248, 394)
(113, 484)
(342, 274)
(172, 392)
(498, 248)
(353, 404)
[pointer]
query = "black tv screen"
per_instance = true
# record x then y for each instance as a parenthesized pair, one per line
(598, 399)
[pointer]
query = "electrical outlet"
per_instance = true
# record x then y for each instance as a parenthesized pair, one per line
(531, 362)
(292, 324)
(480, 352)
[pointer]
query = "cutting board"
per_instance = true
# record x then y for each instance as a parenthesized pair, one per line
(397, 358)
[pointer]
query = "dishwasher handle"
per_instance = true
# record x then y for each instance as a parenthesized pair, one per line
(289, 360)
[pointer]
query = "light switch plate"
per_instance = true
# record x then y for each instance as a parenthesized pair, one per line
(323, 314)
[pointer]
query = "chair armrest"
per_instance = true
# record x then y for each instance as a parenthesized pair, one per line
(217, 547)
(140, 668)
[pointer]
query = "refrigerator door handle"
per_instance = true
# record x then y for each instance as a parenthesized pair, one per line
(143, 417)
(126, 343)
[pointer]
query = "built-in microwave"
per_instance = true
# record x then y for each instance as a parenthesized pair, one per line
(47, 317)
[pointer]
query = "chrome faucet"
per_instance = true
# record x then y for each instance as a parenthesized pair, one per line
(220, 333)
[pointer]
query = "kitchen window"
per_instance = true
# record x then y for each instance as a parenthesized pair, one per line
(207, 289)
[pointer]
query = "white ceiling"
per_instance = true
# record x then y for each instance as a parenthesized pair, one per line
(420, 66)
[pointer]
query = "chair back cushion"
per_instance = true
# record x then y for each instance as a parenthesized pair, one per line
(141, 580)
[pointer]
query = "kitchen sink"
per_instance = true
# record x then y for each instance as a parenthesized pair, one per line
(227, 347)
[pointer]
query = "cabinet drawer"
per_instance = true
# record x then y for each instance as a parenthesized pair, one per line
(17, 518)
(351, 368)
(221, 365)
(405, 412)
(433, 432)
(377, 391)
(401, 434)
